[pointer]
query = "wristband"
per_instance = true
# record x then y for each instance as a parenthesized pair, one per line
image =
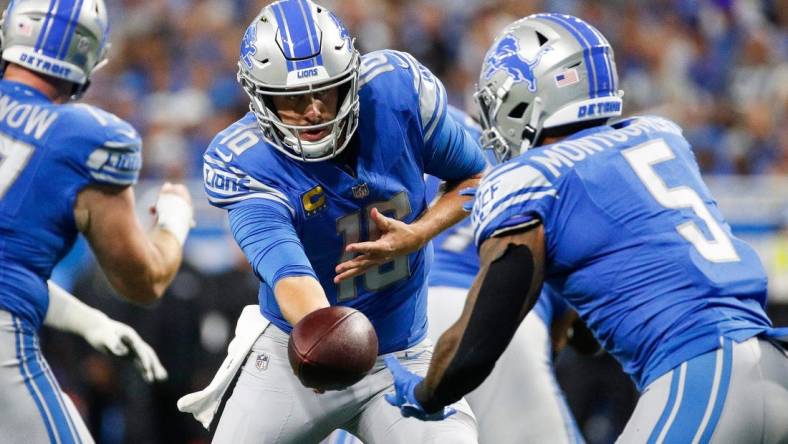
(175, 215)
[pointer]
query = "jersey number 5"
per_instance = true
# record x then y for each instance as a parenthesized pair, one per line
(14, 156)
(642, 159)
(349, 227)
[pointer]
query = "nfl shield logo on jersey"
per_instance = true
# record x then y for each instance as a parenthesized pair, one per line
(361, 191)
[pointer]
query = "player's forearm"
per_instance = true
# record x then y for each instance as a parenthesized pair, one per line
(165, 247)
(144, 276)
(67, 313)
(505, 290)
(297, 296)
(446, 211)
(165, 260)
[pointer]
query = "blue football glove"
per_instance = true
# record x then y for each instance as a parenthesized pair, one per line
(405, 398)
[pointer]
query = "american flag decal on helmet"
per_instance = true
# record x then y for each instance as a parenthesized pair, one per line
(566, 78)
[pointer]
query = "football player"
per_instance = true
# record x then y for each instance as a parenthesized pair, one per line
(521, 400)
(332, 156)
(64, 169)
(614, 215)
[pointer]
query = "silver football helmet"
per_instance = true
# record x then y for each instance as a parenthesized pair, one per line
(66, 39)
(544, 71)
(298, 47)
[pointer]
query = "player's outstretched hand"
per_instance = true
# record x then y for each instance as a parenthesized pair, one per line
(404, 396)
(121, 340)
(396, 239)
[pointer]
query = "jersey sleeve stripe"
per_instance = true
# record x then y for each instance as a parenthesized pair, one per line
(495, 215)
(126, 179)
(224, 201)
(113, 173)
(225, 184)
(529, 190)
(501, 170)
(213, 161)
(438, 112)
(129, 145)
(369, 75)
(521, 223)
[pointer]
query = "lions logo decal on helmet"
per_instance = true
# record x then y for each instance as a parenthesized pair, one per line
(248, 50)
(506, 56)
(344, 34)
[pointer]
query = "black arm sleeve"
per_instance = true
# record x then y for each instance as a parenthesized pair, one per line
(502, 302)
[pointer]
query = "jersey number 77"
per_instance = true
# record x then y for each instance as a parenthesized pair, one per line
(14, 156)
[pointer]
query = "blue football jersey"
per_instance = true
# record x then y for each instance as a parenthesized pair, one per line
(634, 242)
(456, 261)
(402, 110)
(48, 153)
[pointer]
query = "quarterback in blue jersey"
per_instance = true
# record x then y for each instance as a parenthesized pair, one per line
(324, 186)
(520, 401)
(64, 169)
(614, 215)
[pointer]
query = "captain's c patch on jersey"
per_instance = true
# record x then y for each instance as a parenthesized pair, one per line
(313, 200)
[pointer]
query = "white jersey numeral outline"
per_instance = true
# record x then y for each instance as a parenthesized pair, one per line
(349, 226)
(14, 156)
(642, 159)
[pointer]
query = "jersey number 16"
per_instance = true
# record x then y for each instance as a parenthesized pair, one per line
(349, 226)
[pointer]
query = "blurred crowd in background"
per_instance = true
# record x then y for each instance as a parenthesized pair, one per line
(717, 67)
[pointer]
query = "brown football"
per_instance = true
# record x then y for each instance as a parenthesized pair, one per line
(332, 348)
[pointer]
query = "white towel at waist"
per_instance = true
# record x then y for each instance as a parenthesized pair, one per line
(203, 404)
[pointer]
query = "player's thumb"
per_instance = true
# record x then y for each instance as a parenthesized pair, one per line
(117, 347)
(392, 363)
(381, 221)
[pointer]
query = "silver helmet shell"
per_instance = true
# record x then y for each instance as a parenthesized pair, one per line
(544, 71)
(298, 47)
(66, 39)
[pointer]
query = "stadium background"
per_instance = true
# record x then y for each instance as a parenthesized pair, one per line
(717, 67)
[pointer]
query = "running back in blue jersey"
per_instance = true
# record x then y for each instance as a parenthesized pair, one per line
(402, 124)
(48, 153)
(634, 242)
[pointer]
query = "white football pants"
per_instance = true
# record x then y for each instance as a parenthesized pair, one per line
(520, 402)
(737, 394)
(269, 405)
(34, 408)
